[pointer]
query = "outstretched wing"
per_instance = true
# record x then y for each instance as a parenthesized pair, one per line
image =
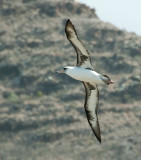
(91, 107)
(83, 57)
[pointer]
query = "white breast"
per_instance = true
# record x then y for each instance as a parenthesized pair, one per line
(85, 75)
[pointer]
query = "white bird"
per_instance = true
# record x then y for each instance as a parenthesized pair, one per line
(84, 72)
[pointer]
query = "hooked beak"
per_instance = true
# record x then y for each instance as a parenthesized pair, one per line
(111, 82)
(60, 71)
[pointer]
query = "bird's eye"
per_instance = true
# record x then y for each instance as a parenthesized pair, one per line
(65, 68)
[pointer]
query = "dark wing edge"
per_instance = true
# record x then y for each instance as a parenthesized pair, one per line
(83, 57)
(91, 107)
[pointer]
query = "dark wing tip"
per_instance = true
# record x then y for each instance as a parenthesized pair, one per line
(98, 137)
(68, 23)
(97, 132)
(69, 29)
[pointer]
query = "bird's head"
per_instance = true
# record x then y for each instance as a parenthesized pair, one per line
(65, 70)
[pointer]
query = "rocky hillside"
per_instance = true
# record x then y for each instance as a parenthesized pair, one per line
(41, 113)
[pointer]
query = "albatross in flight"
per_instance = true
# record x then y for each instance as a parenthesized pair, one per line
(84, 72)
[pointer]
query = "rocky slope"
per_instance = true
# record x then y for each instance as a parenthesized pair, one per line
(42, 115)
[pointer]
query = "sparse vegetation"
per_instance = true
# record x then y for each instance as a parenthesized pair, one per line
(13, 97)
(39, 93)
(41, 113)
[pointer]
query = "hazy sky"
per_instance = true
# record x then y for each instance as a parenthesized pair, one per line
(125, 14)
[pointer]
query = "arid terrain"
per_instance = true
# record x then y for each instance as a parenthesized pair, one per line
(41, 113)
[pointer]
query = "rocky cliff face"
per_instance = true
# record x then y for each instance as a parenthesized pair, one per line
(42, 115)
